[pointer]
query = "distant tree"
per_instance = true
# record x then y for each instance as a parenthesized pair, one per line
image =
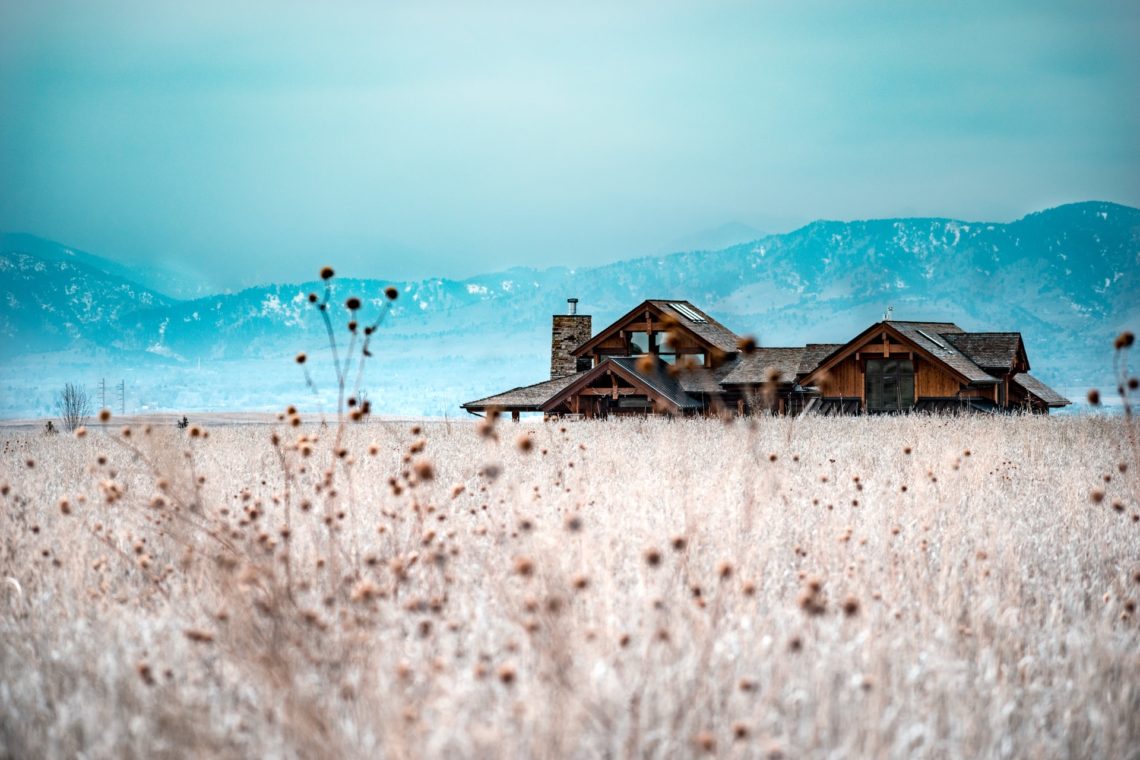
(183, 423)
(50, 428)
(73, 406)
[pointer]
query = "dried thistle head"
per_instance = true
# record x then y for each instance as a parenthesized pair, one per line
(391, 293)
(705, 742)
(327, 273)
(524, 566)
(746, 345)
(1124, 340)
(1094, 397)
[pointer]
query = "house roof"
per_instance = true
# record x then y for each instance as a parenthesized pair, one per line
(928, 337)
(527, 398)
(935, 338)
(989, 350)
(1041, 390)
(753, 368)
(814, 353)
(705, 328)
(706, 380)
(658, 381)
(712, 331)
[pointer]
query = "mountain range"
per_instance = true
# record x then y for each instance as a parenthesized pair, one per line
(1066, 278)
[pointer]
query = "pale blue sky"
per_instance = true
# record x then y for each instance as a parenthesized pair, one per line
(257, 140)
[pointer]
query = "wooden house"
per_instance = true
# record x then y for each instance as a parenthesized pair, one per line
(670, 357)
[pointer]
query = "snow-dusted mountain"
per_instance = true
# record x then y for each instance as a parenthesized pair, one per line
(1065, 277)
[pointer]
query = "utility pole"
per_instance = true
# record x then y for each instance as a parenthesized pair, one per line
(122, 397)
(103, 391)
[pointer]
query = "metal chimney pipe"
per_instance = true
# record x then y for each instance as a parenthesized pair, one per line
(573, 305)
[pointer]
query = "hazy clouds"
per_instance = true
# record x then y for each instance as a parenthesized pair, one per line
(258, 140)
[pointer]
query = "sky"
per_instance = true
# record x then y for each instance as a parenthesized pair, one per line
(249, 142)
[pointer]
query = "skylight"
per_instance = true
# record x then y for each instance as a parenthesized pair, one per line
(688, 312)
(933, 340)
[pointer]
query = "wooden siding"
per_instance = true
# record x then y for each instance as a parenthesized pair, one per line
(844, 379)
(931, 381)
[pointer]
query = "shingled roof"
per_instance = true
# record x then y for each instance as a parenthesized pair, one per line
(753, 368)
(1041, 390)
(989, 350)
(712, 331)
(935, 338)
(527, 398)
(658, 379)
(706, 380)
(814, 353)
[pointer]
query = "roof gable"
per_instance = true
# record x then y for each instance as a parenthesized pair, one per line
(706, 330)
(928, 339)
(657, 383)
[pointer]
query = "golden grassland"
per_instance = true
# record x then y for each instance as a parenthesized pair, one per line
(883, 587)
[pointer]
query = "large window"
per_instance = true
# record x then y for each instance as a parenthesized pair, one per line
(889, 385)
(640, 342)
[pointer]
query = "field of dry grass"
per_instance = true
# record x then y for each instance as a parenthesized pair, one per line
(882, 587)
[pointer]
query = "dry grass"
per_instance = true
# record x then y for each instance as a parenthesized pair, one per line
(630, 588)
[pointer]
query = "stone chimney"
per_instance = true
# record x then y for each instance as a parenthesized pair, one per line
(569, 331)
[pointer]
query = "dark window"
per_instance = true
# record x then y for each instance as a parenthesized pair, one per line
(584, 363)
(889, 385)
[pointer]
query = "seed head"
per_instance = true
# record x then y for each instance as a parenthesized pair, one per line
(724, 570)
(652, 557)
(705, 742)
(746, 345)
(573, 523)
(507, 674)
(850, 606)
(1096, 496)
(327, 273)
(424, 470)
(391, 293)
(524, 566)
(1094, 397)
(1124, 340)
(312, 298)
(352, 304)
(524, 443)
(104, 415)
(679, 543)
